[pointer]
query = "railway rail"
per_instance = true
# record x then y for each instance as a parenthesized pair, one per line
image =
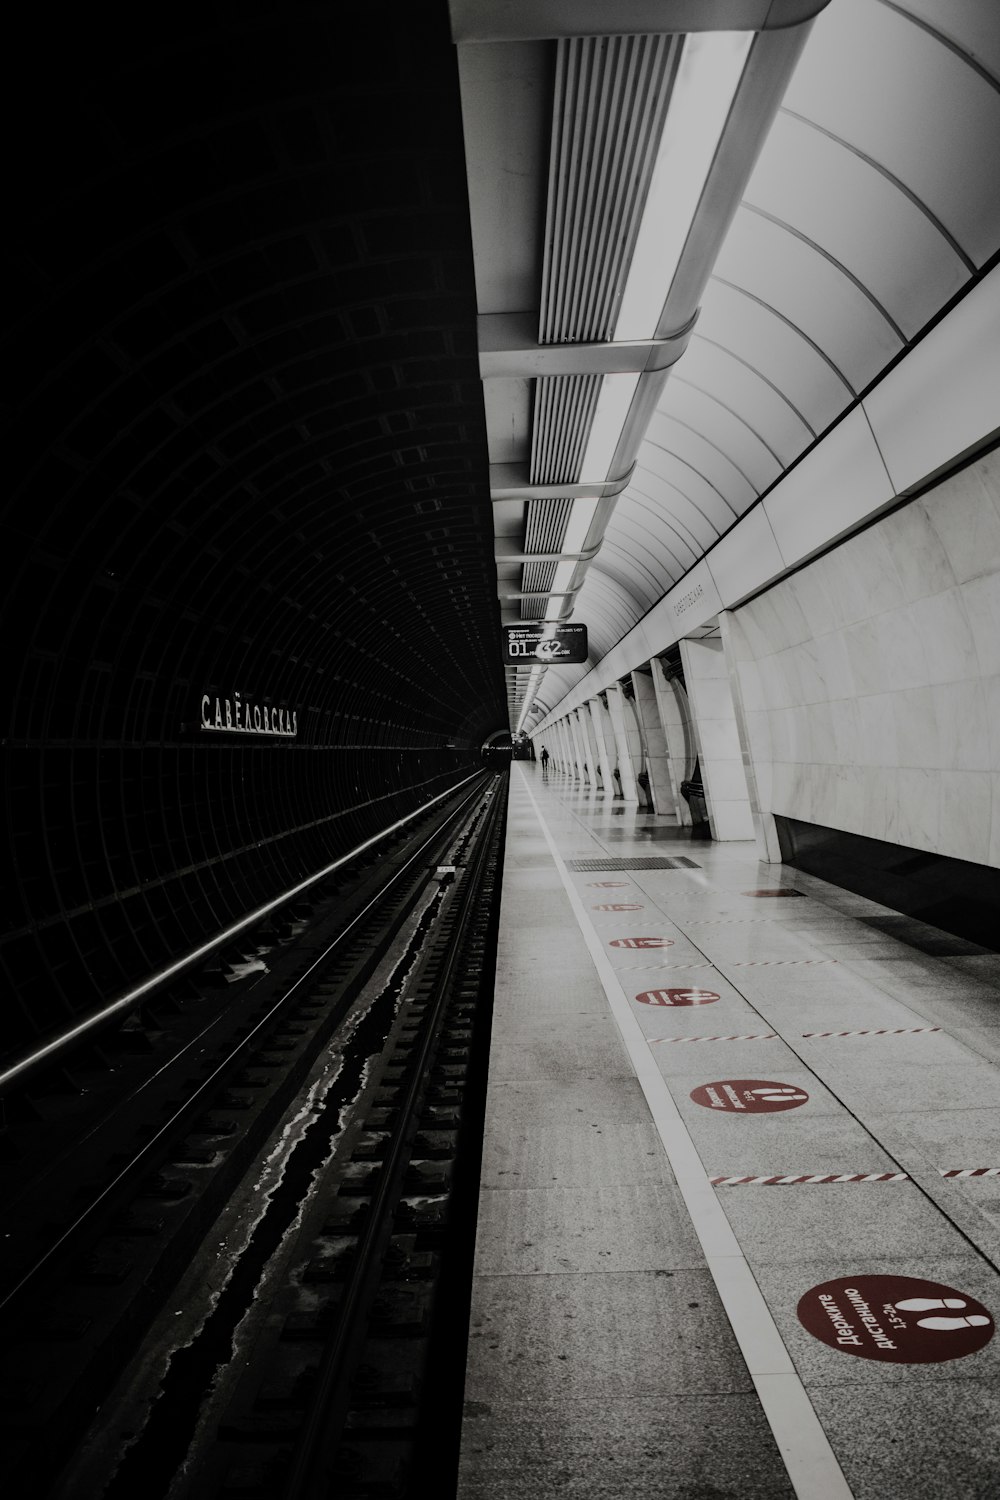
(295, 1168)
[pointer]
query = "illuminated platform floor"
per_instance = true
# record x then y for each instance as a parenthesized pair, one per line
(655, 1315)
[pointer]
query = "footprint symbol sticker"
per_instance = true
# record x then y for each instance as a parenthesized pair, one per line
(942, 1324)
(749, 1096)
(900, 1320)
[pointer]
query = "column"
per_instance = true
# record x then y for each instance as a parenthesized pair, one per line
(655, 743)
(626, 770)
(567, 748)
(587, 740)
(765, 829)
(579, 759)
(558, 746)
(678, 731)
(719, 750)
(598, 715)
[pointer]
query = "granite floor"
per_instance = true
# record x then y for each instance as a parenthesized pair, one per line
(654, 1313)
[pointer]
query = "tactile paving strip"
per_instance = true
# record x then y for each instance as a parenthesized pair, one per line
(583, 866)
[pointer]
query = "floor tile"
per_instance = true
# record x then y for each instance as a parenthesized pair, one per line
(709, 1446)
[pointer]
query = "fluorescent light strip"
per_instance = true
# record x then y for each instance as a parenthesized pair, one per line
(709, 74)
(580, 519)
(560, 583)
(125, 1002)
(613, 403)
(529, 695)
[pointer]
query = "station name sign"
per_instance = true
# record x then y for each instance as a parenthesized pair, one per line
(234, 716)
(550, 641)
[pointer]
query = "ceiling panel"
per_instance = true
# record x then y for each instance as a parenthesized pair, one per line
(827, 192)
(812, 292)
(707, 412)
(872, 205)
(732, 489)
(886, 85)
(654, 532)
(782, 353)
(676, 492)
(747, 393)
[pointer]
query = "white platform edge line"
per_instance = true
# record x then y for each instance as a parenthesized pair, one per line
(805, 1450)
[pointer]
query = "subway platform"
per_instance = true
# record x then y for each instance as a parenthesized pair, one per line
(738, 1225)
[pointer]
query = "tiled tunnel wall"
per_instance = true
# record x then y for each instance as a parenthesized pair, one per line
(244, 454)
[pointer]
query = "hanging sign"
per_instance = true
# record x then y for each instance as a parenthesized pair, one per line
(902, 1320)
(236, 716)
(544, 640)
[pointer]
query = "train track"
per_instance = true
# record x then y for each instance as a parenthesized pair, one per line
(291, 1179)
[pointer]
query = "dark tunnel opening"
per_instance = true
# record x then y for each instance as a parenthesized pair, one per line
(247, 526)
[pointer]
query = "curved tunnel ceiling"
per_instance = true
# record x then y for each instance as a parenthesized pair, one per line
(245, 462)
(872, 205)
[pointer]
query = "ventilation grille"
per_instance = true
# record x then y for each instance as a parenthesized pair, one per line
(564, 411)
(544, 532)
(546, 525)
(588, 866)
(533, 609)
(538, 576)
(610, 101)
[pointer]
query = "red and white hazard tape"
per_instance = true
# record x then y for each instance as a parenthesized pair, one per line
(878, 1031)
(791, 1179)
(767, 963)
(658, 963)
(724, 921)
(810, 1177)
(753, 1036)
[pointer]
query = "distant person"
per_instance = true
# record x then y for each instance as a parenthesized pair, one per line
(544, 758)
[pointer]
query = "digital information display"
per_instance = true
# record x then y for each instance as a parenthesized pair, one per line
(545, 641)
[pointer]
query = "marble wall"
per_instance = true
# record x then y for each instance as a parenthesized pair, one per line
(870, 680)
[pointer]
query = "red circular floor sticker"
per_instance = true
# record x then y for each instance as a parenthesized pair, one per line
(676, 997)
(641, 943)
(621, 906)
(749, 1096)
(900, 1319)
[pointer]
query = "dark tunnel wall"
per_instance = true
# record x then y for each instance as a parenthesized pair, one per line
(245, 455)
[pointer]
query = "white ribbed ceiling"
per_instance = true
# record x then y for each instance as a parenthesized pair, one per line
(874, 202)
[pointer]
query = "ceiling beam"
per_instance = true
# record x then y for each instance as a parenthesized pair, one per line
(512, 482)
(508, 347)
(506, 550)
(540, 20)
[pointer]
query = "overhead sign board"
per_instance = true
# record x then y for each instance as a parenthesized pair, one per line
(551, 641)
